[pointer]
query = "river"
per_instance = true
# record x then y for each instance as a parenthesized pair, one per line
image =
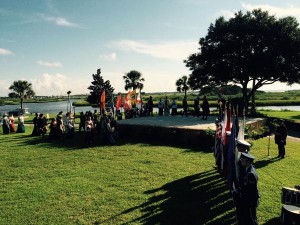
(55, 107)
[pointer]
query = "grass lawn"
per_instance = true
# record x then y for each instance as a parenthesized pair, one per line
(284, 114)
(67, 182)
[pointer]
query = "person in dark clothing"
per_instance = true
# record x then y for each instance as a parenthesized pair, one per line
(196, 107)
(35, 130)
(42, 125)
(150, 106)
(205, 108)
(245, 194)
(82, 121)
(280, 139)
(160, 107)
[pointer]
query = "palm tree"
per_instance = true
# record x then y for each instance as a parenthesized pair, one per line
(182, 85)
(133, 80)
(21, 89)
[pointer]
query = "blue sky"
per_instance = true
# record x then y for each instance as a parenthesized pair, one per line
(58, 44)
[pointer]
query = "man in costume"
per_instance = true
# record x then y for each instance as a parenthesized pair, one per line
(245, 193)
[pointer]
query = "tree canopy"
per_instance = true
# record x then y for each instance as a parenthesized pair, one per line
(21, 89)
(250, 48)
(98, 85)
(133, 79)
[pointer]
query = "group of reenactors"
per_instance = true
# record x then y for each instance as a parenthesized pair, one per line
(244, 185)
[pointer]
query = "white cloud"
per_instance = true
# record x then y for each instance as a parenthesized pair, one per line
(172, 50)
(290, 10)
(277, 86)
(5, 52)
(4, 85)
(227, 14)
(109, 57)
(58, 84)
(49, 64)
(59, 21)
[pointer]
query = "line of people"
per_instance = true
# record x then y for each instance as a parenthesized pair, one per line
(164, 107)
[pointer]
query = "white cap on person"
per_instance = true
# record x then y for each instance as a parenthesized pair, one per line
(248, 156)
(243, 142)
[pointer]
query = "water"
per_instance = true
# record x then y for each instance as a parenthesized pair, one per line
(55, 107)
(49, 107)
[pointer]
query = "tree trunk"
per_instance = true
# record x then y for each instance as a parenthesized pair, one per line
(253, 107)
(21, 103)
(245, 99)
(185, 93)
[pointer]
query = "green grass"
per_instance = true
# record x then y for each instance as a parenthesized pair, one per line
(283, 114)
(66, 182)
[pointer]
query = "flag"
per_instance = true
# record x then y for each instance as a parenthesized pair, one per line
(231, 150)
(139, 101)
(225, 128)
(132, 97)
(127, 103)
(241, 136)
(102, 101)
(119, 102)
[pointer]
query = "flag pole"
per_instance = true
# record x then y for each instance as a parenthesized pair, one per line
(269, 156)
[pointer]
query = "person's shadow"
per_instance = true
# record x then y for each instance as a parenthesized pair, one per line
(202, 198)
(266, 162)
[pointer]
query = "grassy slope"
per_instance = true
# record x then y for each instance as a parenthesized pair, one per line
(284, 114)
(132, 183)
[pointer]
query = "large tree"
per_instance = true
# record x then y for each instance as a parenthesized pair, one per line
(182, 85)
(97, 87)
(133, 80)
(251, 49)
(21, 89)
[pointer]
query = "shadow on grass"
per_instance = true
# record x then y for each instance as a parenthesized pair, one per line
(266, 162)
(75, 143)
(78, 142)
(273, 221)
(202, 198)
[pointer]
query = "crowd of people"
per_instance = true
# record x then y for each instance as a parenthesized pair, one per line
(63, 126)
(104, 125)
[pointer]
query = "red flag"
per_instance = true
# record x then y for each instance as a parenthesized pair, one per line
(102, 101)
(119, 102)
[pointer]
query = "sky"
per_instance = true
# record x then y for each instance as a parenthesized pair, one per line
(58, 44)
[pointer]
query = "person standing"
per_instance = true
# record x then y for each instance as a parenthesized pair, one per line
(150, 106)
(280, 139)
(205, 108)
(21, 127)
(246, 195)
(82, 121)
(89, 126)
(196, 107)
(12, 123)
(5, 125)
(166, 107)
(160, 107)
(174, 108)
(35, 130)
(185, 107)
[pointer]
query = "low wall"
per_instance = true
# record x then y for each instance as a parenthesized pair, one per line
(167, 135)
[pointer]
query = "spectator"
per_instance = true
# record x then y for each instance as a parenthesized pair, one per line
(21, 127)
(5, 125)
